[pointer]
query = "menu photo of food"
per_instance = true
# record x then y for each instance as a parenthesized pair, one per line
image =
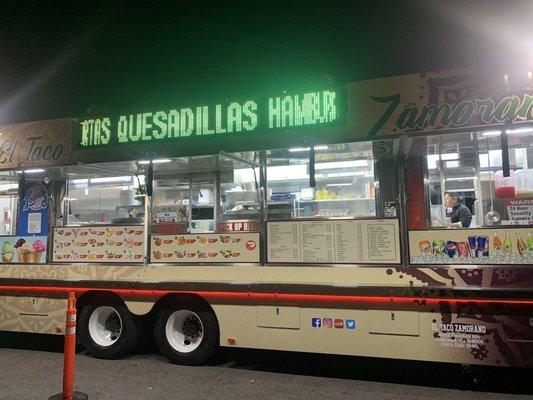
(23, 249)
(205, 248)
(112, 244)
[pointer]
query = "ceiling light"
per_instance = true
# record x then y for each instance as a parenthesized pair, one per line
(491, 133)
(462, 178)
(111, 179)
(156, 161)
(520, 130)
(300, 149)
(341, 164)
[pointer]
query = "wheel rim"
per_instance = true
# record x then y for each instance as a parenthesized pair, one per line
(184, 331)
(105, 326)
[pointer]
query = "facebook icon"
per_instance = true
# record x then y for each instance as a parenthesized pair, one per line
(316, 322)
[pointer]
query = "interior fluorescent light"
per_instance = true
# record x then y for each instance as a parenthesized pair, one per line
(460, 190)
(341, 164)
(156, 161)
(33, 171)
(70, 198)
(452, 164)
(460, 178)
(520, 130)
(491, 133)
(340, 174)
(111, 179)
(449, 156)
(338, 184)
(299, 149)
(509, 132)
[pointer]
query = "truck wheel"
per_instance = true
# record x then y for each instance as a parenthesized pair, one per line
(107, 330)
(186, 334)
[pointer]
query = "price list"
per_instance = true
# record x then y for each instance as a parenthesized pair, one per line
(334, 241)
(381, 242)
(346, 249)
(284, 242)
(317, 241)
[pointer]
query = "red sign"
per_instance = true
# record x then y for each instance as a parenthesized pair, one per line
(239, 226)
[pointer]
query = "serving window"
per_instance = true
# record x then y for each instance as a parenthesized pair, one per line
(465, 171)
(333, 204)
(337, 180)
(193, 197)
(193, 193)
(105, 193)
(470, 197)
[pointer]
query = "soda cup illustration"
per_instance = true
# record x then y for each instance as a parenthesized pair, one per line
(425, 247)
(438, 247)
(462, 250)
(451, 248)
(483, 246)
(472, 244)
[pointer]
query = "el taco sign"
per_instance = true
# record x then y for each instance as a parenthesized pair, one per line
(42, 143)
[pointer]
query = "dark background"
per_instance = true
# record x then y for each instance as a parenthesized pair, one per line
(59, 57)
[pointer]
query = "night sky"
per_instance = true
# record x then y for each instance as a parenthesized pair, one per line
(59, 57)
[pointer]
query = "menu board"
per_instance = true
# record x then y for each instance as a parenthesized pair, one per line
(23, 249)
(116, 244)
(471, 246)
(334, 241)
(205, 248)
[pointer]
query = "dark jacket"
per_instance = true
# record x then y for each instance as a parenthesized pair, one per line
(461, 213)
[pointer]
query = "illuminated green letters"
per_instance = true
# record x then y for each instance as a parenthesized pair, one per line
(309, 109)
(252, 115)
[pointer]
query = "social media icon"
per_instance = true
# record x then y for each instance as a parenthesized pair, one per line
(316, 322)
(327, 322)
(350, 324)
(339, 323)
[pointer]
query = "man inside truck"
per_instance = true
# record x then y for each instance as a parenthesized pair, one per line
(460, 214)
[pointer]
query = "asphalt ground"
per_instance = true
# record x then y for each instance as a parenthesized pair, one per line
(30, 368)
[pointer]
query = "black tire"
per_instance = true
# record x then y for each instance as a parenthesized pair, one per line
(124, 344)
(209, 328)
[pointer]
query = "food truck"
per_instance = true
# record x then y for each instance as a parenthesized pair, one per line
(320, 220)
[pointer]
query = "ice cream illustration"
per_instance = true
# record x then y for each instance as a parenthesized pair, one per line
(38, 249)
(8, 252)
(24, 251)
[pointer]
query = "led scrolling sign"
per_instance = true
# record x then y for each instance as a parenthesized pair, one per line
(304, 109)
